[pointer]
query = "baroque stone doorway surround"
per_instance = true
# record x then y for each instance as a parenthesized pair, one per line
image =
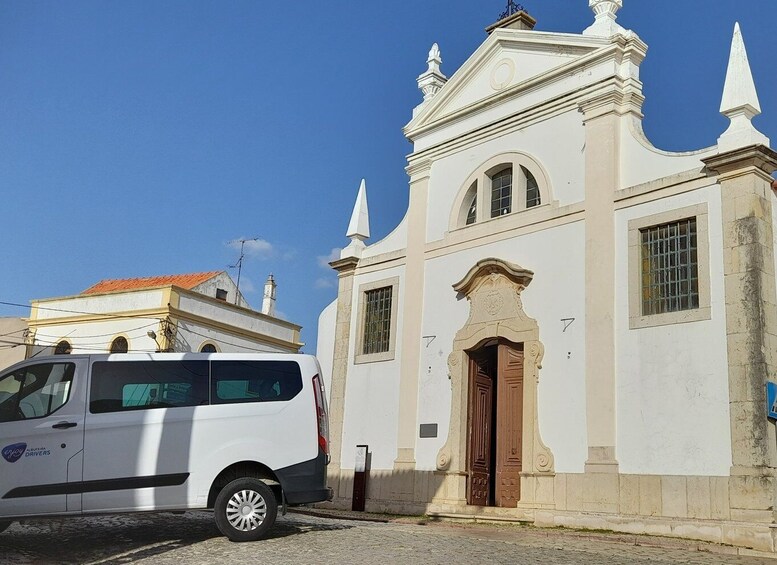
(493, 288)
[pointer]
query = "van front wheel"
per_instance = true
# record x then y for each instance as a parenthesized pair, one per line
(4, 526)
(245, 509)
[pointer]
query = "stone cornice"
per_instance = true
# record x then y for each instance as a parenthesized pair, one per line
(758, 158)
(619, 97)
(419, 169)
(345, 266)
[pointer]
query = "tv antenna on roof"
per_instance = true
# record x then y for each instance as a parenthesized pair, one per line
(239, 264)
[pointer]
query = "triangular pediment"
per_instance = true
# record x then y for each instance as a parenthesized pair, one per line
(508, 58)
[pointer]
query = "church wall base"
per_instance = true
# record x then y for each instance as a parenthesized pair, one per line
(736, 510)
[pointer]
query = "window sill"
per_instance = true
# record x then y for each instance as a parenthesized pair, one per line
(374, 357)
(669, 318)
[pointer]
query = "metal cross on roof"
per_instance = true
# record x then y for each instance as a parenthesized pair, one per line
(512, 8)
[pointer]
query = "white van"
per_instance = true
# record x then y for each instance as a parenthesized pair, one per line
(237, 433)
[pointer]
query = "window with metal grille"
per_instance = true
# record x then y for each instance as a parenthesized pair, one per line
(377, 320)
(532, 189)
(670, 267)
(501, 192)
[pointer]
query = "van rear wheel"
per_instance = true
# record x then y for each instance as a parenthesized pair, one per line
(245, 509)
(4, 525)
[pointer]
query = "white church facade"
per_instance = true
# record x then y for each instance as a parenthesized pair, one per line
(569, 326)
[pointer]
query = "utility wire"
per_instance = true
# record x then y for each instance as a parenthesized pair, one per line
(221, 341)
(103, 335)
(14, 332)
(87, 347)
(101, 314)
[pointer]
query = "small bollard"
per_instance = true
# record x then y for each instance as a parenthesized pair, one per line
(360, 479)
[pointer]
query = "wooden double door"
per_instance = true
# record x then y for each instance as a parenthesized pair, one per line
(495, 425)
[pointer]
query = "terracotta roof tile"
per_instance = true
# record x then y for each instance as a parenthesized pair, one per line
(187, 281)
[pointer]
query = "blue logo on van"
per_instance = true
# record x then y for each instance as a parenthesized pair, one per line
(12, 453)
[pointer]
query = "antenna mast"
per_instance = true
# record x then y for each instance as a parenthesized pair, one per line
(239, 264)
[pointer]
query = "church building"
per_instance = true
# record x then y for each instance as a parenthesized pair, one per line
(570, 326)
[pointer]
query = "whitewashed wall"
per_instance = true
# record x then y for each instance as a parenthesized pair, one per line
(641, 162)
(250, 320)
(557, 291)
(191, 336)
(222, 281)
(97, 336)
(325, 346)
(672, 382)
(118, 302)
(560, 156)
(372, 390)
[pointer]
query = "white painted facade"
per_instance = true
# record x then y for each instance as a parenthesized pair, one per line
(164, 317)
(627, 420)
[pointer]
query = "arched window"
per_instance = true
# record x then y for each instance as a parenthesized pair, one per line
(505, 185)
(532, 189)
(472, 198)
(63, 348)
(208, 348)
(501, 192)
(120, 345)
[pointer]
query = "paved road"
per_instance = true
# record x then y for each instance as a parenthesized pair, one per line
(193, 539)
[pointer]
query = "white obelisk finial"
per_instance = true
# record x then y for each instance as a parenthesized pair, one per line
(359, 226)
(740, 100)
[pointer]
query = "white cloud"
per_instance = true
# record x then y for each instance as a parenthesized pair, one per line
(324, 260)
(324, 283)
(258, 248)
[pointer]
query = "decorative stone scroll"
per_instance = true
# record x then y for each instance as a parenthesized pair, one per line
(493, 288)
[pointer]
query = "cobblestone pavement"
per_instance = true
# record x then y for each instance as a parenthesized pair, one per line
(193, 539)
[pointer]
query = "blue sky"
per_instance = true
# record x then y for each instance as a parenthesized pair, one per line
(140, 138)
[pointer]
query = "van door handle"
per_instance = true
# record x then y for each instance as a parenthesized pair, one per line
(64, 425)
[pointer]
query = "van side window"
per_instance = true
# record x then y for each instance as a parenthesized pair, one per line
(254, 381)
(118, 386)
(35, 391)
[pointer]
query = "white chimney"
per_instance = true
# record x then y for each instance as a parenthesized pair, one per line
(268, 302)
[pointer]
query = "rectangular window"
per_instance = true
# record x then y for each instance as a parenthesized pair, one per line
(670, 267)
(501, 192)
(254, 381)
(377, 314)
(377, 320)
(669, 281)
(118, 386)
